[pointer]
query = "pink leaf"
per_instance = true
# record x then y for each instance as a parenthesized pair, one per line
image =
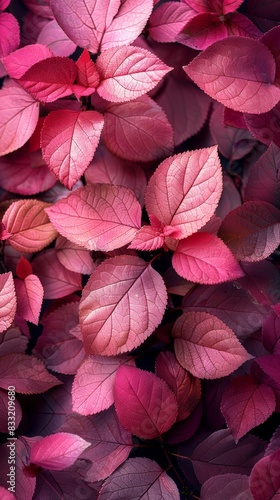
(144, 403)
(8, 301)
(168, 20)
(230, 5)
(53, 37)
(148, 238)
(19, 111)
(22, 59)
(138, 130)
(10, 34)
(265, 478)
(29, 298)
(190, 188)
(229, 486)
(265, 127)
(202, 31)
(6, 494)
(230, 198)
(204, 258)
(27, 373)
(24, 268)
(125, 295)
(4, 4)
(239, 25)
(88, 77)
(28, 225)
(98, 216)
(74, 257)
(141, 477)
(252, 231)
(92, 390)
(207, 347)
(243, 82)
(58, 451)
(50, 79)
(69, 140)
(128, 72)
(246, 404)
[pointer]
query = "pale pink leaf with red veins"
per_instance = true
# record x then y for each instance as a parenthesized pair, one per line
(271, 40)
(148, 238)
(202, 31)
(22, 59)
(110, 442)
(55, 278)
(10, 34)
(205, 346)
(187, 388)
(185, 105)
(128, 72)
(50, 79)
(30, 294)
(203, 258)
(24, 268)
(25, 486)
(68, 141)
(168, 20)
(128, 24)
(145, 404)
(92, 390)
(74, 257)
(8, 301)
(87, 78)
(4, 409)
(138, 130)
(53, 37)
(141, 478)
(20, 112)
(190, 188)
(98, 216)
(25, 173)
(265, 478)
(109, 169)
(243, 82)
(252, 231)
(27, 373)
(246, 404)
(29, 225)
(265, 127)
(124, 295)
(229, 486)
(58, 451)
(6, 494)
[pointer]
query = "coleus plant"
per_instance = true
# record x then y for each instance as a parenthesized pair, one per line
(140, 226)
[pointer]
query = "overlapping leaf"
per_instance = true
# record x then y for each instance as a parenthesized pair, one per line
(8, 301)
(30, 294)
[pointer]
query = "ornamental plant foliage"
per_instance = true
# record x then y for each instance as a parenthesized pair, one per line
(140, 226)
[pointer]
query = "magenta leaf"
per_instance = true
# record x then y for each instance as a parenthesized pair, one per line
(270, 365)
(204, 258)
(138, 130)
(74, 257)
(207, 347)
(4, 4)
(202, 31)
(19, 110)
(229, 486)
(69, 140)
(144, 403)
(50, 79)
(88, 77)
(265, 478)
(27, 373)
(53, 37)
(6, 494)
(29, 298)
(29, 225)
(133, 286)
(58, 451)
(19, 61)
(264, 127)
(244, 82)
(98, 216)
(92, 390)
(139, 478)
(252, 231)
(168, 20)
(10, 34)
(246, 404)
(128, 72)
(188, 198)
(8, 301)
(148, 238)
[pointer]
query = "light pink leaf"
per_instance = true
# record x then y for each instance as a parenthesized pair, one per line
(53, 37)
(10, 34)
(74, 257)
(202, 31)
(204, 258)
(6, 494)
(252, 231)
(5, 408)
(265, 127)
(168, 20)
(265, 478)
(29, 298)
(57, 281)
(128, 72)
(246, 404)
(125, 295)
(88, 77)
(144, 403)
(4, 4)
(148, 238)
(27, 373)
(92, 390)
(98, 216)
(243, 82)
(20, 111)
(69, 140)
(22, 59)
(190, 188)
(138, 130)
(207, 347)
(8, 301)
(29, 225)
(140, 478)
(50, 79)
(58, 451)
(229, 486)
